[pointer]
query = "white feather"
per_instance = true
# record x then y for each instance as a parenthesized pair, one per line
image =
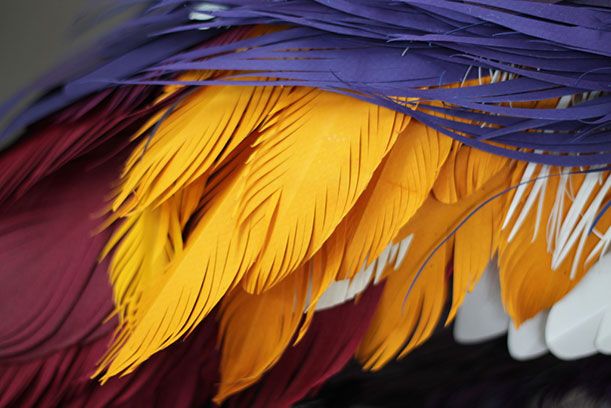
(564, 233)
(555, 219)
(517, 198)
(335, 294)
(403, 247)
(603, 337)
(578, 325)
(578, 225)
(538, 191)
(528, 341)
(381, 262)
(576, 209)
(347, 289)
(481, 316)
(394, 252)
(602, 246)
(544, 172)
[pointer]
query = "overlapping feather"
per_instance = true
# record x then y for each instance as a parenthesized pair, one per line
(259, 221)
(530, 281)
(312, 155)
(410, 310)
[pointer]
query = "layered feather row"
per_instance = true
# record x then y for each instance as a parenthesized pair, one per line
(260, 202)
(259, 199)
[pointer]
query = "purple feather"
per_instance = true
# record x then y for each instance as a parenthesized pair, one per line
(380, 49)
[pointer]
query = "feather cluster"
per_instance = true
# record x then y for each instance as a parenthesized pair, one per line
(314, 184)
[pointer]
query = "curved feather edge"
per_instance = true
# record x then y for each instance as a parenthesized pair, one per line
(481, 315)
(325, 349)
(228, 242)
(397, 321)
(528, 341)
(578, 325)
(530, 281)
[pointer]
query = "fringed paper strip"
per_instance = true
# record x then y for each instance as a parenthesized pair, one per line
(383, 50)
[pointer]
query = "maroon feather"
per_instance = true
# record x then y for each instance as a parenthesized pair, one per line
(53, 291)
(72, 133)
(184, 375)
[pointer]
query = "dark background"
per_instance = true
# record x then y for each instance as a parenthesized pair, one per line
(35, 35)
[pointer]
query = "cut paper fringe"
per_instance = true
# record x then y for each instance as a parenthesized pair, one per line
(380, 50)
(269, 143)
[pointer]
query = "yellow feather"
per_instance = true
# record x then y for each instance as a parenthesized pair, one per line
(403, 183)
(428, 300)
(145, 244)
(191, 285)
(322, 270)
(314, 154)
(396, 191)
(256, 329)
(393, 323)
(269, 321)
(466, 170)
(309, 168)
(475, 243)
(404, 314)
(243, 364)
(141, 255)
(529, 284)
(199, 133)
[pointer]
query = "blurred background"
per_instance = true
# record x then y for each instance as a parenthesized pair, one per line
(35, 35)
